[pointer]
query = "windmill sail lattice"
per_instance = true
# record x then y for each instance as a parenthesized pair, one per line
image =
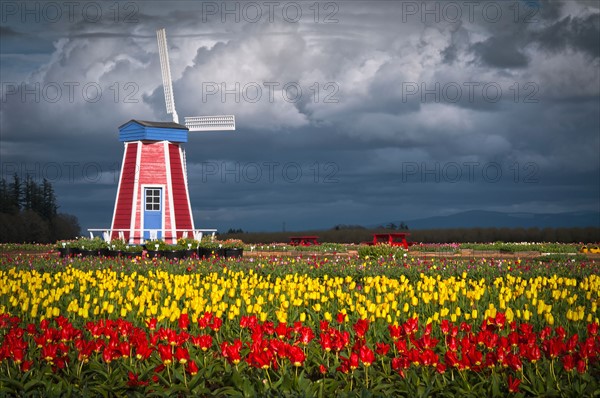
(195, 123)
(165, 68)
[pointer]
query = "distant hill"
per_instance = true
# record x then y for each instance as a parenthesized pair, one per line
(488, 219)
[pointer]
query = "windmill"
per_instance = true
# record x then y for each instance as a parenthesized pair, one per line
(152, 197)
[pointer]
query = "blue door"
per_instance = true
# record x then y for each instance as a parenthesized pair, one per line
(153, 213)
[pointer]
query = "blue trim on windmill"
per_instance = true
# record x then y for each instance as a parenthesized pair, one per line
(140, 130)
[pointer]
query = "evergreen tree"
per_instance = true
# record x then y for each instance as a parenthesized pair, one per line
(29, 213)
(14, 194)
(49, 208)
(5, 202)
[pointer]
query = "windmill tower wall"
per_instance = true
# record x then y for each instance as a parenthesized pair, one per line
(152, 198)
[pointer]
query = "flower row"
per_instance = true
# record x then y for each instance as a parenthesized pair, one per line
(87, 295)
(337, 349)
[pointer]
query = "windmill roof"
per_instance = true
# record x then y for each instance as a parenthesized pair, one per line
(167, 125)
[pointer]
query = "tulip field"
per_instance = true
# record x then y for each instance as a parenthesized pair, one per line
(302, 325)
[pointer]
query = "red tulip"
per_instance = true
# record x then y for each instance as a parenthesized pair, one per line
(399, 363)
(427, 342)
(445, 326)
(560, 332)
(513, 384)
(545, 333)
(204, 341)
(166, 355)
(514, 362)
(184, 321)
(216, 324)
(366, 355)
(491, 360)
(325, 342)
(134, 380)
(382, 348)
(411, 326)
(341, 340)
(232, 351)
(109, 354)
(452, 343)
(588, 348)
(348, 364)
(182, 355)
(152, 324)
(429, 358)
(192, 368)
(60, 363)
(68, 333)
(262, 359)
(553, 347)
(568, 362)
(279, 348)
(341, 317)
(268, 328)
(401, 346)
(306, 335)
(361, 327)
(32, 329)
(204, 321)
(26, 365)
(85, 349)
(571, 344)
(323, 325)
(49, 352)
(143, 351)
(451, 359)
(465, 327)
(125, 349)
(513, 339)
(283, 332)
(500, 320)
(44, 324)
(248, 321)
(396, 332)
(353, 361)
(296, 355)
(414, 356)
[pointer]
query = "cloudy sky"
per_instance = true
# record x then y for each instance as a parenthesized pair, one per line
(347, 112)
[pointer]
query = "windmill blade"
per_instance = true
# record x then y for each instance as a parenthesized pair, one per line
(161, 35)
(210, 123)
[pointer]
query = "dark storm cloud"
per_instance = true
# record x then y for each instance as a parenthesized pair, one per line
(499, 52)
(14, 41)
(582, 34)
(377, 153)
(6, 31)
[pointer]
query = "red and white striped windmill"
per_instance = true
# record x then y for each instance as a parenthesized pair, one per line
(153, 199)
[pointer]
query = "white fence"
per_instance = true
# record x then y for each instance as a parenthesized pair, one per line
(138, 235)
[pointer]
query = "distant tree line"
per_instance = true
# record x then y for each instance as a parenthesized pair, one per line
(29, 213)
(357, 234)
